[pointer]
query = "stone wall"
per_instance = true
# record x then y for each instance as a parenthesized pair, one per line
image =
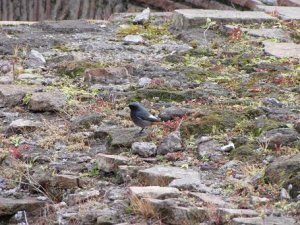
(32, 10)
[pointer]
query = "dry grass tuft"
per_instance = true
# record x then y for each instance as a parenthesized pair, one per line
(143, 207)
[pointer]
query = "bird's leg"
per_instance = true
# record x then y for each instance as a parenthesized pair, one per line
(142, 130)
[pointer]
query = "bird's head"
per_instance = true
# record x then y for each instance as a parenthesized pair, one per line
(134, 106)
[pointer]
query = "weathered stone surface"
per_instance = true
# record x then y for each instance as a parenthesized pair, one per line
(288, 2)
(142, 17)
(171, 213)
(156, 192)
(269, 220)
(269, 33)
(145, 149)
(35, 60)
(279, 136)
(11, 206)
(209, 199)
(164, 175)
(285, 171)
(282, 50)
(119, 137)
(232, 213)
(110, 163)
(285, 13)
(86, 121)
(134, 39)
(250, 4)
(185, 18)
(12, 95)
(170, 143)
(66, 181)
(47, 101)
(173, 112)
(111, 75)
(22, 125)
(81, 196)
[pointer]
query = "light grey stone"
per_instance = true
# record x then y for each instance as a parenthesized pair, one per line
(184, 18)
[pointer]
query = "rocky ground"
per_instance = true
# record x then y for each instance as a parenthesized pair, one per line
(226, 151)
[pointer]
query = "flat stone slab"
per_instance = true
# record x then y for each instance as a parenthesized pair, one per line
(266, 33)
(284, 13)
(156, 192)
(185, 179)
(271, 220)
(110, 163)
(209, 199)
(282, 50)
(184, 18)
(232, 213)
(10, 206)
(288, 2)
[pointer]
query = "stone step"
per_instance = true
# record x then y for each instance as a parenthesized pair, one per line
(284, 13)
(271, 220)
(282, 50)
(288, 2)
(10, 206)
(156, 192)
(185, 18)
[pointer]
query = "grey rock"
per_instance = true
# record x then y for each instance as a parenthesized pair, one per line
(173, 112)
(270, 2)
(119, 137)
(110, 163)
(270, 220)
(142, 17)
(81, 196)
(186, 179)
(144, 149)
(47, 101)
(285, 13)
(86, 121)
(297, 126)
(144, 81)
(173, 214)
(170, 143)
(6, 79)
(269, 33)
(282, 50)
(27, 76)
(22, 125)
(133, 39)
(156, 192)
(11, 206)
(209, 199)
(285, 171)
(35, 60)
(12, 95)
(232, 213)
(208, 148)
(284, 194)
(185, 18)
(273, 102)
(279, 136)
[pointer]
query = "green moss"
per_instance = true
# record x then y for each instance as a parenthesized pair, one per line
(245, 153)
(149, 31)
(211, 123)
(76, 69)
(165, 95)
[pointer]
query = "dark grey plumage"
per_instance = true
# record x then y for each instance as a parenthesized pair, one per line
(140, 116)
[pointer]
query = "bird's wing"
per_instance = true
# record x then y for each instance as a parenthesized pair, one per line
(147, 116)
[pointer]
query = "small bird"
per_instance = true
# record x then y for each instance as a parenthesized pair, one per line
(140, 116)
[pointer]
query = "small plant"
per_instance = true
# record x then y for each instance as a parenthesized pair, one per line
(26, 99)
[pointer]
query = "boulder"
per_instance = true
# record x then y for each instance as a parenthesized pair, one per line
(285, 171)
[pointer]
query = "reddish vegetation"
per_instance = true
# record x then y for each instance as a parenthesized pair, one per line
(17, 151)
